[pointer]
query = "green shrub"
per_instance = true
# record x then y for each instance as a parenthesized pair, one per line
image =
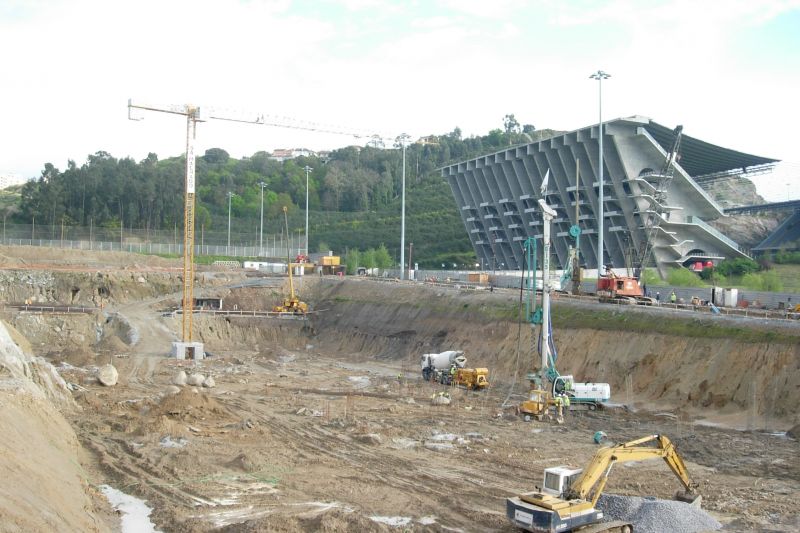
(771, 281)
(737, 267)
(682, 277)
(783, 257)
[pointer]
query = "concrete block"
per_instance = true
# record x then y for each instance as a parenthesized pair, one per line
(188, 350)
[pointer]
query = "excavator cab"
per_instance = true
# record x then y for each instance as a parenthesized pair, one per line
(558, 479)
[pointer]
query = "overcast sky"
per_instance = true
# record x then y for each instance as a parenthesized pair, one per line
(728, 70)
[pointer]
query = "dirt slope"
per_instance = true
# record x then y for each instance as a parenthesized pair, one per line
(704, 375)
(42, 487)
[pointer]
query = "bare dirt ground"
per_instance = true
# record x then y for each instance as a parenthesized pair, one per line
(320, 426)
(295, 439)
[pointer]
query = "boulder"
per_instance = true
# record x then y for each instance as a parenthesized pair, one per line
(209, 382)
(369, 438)
(108, 375)
(172, 389)
(195, 380)
(179, 378)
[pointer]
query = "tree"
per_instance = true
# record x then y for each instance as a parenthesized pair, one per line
(511, 124)
(368, 259)
(352, 261)
(528, 128)
(455, 134)
(215, 156)
(382, 257)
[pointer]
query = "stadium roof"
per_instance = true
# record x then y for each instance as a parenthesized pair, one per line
(700, 158)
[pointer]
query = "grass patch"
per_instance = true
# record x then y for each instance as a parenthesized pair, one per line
(610, 320)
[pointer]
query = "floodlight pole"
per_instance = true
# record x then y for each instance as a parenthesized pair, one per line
(230, 196)
(600, 76)
(403, 139)
(307, 169)
(261, 230)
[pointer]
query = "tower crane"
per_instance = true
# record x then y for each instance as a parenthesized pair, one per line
(195, 114)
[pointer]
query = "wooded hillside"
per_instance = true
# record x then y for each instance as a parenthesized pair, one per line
(354, 195)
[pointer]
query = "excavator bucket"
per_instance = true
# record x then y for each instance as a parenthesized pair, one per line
(692, 498)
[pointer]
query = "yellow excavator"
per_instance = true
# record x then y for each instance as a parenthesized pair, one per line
(567, 499)
(292, 304)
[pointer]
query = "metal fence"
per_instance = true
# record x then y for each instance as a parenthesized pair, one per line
(242, 244)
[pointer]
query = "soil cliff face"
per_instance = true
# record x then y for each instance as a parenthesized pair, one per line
(41, 485)
(690, 371)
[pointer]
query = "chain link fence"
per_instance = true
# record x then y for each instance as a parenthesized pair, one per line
(162, 242)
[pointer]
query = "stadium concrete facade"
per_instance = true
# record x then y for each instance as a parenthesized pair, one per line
(668, 216)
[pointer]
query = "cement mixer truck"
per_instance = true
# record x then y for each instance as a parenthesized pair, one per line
(449, 368)
(432, 362)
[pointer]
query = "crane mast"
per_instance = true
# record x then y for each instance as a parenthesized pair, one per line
(655, 213)
(193, 116)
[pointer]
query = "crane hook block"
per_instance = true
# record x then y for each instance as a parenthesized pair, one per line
(574, 231)
(537, 317)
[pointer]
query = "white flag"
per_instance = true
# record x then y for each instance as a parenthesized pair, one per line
(544, 182)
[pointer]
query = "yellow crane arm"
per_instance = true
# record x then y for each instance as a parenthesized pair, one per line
(594, 477)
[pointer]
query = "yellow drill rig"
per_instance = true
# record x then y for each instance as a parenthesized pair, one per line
(292, 304)
(567, 499)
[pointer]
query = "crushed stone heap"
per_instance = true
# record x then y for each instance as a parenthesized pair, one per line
(651, 515)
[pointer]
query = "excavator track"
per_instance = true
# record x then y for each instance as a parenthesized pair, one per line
(617, 526)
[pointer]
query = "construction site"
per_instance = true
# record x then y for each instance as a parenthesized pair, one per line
(324, 421)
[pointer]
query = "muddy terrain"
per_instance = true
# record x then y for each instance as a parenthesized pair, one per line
(325, 424)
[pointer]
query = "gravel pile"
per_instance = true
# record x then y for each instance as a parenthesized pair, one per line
(650, 515)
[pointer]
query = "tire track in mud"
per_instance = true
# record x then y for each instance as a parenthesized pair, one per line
(457, 493)
(128, 472)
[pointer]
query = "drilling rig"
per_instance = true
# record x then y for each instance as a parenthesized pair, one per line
(292, 304)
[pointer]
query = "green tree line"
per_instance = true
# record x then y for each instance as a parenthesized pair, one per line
(354, 195)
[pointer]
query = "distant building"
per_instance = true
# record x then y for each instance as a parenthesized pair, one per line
(282, 154)
(8, 180)
(497, 196)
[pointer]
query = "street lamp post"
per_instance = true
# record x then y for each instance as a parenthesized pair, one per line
(230, 195)
(261, 231)
(600, 76)
(403, 139)
(307, 169)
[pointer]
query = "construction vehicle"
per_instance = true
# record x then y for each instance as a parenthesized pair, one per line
(568, 497)
(292, 304)
(547, 384)
(472, 378)
(628, 289)
(537, 406)
(449, 368)
(431, 363)
(621, 289)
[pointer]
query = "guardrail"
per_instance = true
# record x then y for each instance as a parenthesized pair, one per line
(52, 308)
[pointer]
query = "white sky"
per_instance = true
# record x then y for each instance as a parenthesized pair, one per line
(728, 70)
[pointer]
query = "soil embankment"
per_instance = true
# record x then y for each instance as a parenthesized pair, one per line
(734, 369)
(43, 488)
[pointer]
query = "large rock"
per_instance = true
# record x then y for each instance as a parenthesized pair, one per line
(209, 382)
(108, 375)
(794, 432)
(179, 378)
(195, 380)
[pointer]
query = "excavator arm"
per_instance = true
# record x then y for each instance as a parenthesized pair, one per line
(592, 481)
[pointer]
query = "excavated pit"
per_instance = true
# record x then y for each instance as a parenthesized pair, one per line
(324, 424)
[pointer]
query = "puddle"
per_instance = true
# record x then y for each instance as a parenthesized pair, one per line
(393, 521)
(359, 382)
(167, 442)
(135, 514)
